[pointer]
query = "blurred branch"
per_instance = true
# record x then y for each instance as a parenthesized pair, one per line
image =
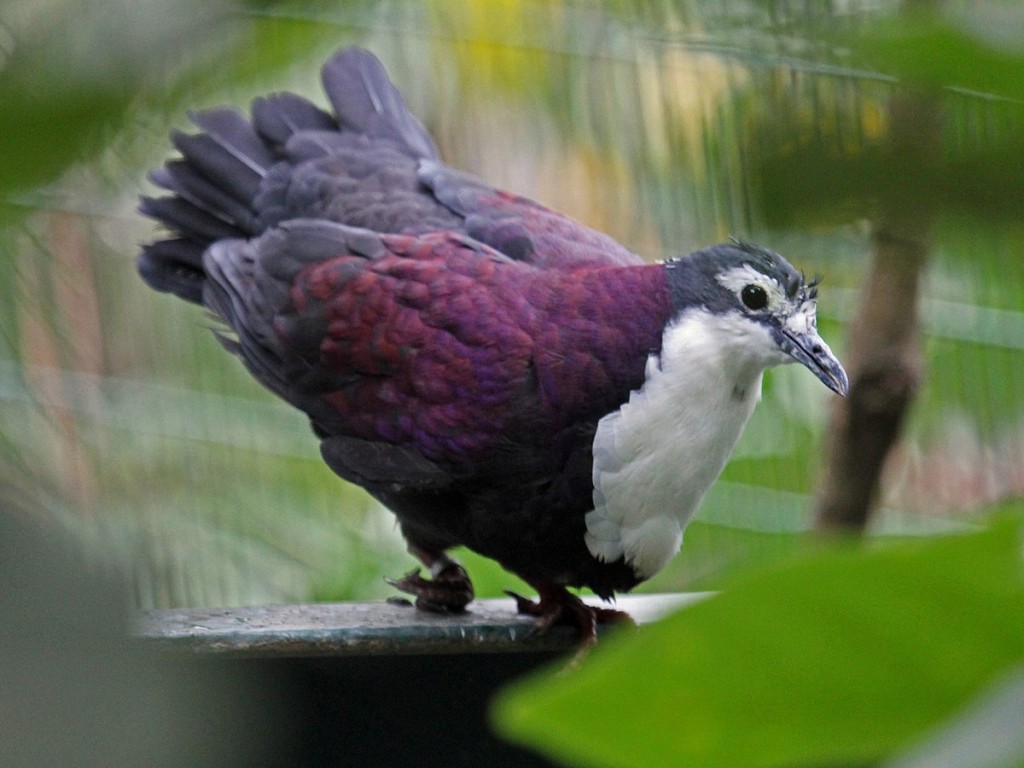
(884, 354)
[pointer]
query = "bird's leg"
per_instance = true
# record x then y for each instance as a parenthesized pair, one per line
(448, 590)
(559, 605)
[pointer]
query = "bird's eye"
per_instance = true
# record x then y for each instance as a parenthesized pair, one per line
(754, 297)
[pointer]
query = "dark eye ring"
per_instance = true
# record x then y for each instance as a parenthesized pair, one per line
(754, 297)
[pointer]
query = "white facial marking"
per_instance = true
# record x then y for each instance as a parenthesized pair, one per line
(804, 320)
(656, 457)
(737, 278)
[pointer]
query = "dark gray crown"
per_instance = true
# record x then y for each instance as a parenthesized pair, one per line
(692, 278)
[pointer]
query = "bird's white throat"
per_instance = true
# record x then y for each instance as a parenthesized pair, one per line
(656, 457)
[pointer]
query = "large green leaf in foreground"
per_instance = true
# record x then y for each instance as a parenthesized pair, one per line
(838, 657)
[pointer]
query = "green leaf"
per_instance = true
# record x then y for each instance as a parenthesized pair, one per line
(835, 657)
(72, 71)
(75, 72)
(988, 733)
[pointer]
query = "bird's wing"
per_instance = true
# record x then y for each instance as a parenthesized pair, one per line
(519, 227)
(434, 342)
(370, 164)
(356, 166)
(373, 165)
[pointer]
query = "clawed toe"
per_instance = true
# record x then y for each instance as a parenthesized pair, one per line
(449, 591)
(524, 605)
(558, 605)
(613, 616)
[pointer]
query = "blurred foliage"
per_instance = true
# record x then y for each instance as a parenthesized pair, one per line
(831, 658)
(845, 165)
(79, 691)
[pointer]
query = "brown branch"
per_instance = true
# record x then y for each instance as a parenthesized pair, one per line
(884, 357)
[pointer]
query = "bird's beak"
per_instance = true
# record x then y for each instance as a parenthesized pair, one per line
(800, 340)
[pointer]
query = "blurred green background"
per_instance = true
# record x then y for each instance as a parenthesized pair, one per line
(669, 125)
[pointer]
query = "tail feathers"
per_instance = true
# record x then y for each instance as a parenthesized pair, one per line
(230, 130)
(182, 216)
(280, 116)
(174, 266)
(213, 187)
(365, 101)
(219, 188)
(236, 176)
(190, 186)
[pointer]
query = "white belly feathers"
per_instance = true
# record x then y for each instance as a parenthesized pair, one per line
(656, 457)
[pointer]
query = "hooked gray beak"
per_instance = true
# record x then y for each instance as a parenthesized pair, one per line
(809, 349)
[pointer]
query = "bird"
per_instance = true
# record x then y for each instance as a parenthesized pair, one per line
(498, 375)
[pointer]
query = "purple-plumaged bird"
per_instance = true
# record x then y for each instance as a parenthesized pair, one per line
(498, 375)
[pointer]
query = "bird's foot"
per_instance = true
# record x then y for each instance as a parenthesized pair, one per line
(449, 589)
(558, 605)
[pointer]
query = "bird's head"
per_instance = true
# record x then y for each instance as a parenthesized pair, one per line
(766, 307)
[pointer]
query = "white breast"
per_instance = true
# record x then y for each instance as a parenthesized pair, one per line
(656, 457)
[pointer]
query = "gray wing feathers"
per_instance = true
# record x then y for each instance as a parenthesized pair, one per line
(174, 266)
(521, 229)
(248, 284)
(239, 178)
(279, 117)
(365, 101)
(192, 187)
(376, 465)
(233, 133)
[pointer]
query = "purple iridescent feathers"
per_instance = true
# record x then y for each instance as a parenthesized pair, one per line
(472, 315)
